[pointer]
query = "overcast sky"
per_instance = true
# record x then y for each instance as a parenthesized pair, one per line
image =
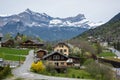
(94, 10)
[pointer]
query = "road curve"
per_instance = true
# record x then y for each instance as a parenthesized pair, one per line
(24, 71)
(115, 51)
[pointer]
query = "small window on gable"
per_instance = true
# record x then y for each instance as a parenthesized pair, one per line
(56, 57)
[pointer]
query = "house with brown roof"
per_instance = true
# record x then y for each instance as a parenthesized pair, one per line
(63, 48)
(40, 53)
(8, 43)
(31, 44)
(56, 59)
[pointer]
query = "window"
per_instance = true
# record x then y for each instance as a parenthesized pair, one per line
(56, 64)
(57, 50)
(62, 63)
(56, 57)
(62, 58)
(61, 50)
(65, 50)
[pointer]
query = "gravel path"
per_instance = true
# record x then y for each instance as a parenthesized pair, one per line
(24, 71)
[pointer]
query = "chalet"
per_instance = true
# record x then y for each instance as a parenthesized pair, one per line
(56, 59)
(8, 43)
(62, 48)
(73, 61)
(41, 53)
(1, 36)
(31, 44)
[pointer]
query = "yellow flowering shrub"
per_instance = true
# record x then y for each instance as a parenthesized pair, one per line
(37, 67)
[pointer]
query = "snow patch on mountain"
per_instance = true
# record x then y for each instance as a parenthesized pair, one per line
(55, 22)
(94, 25)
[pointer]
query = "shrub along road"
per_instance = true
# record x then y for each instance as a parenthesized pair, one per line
(24, 71)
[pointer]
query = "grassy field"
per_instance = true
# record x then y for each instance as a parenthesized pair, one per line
(71, 73)
(106, 54)
(13, 54)
(113, 59)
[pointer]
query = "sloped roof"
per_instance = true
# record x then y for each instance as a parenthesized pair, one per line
(34, 41)
(67, 44)
(54, 53)
(41, 50)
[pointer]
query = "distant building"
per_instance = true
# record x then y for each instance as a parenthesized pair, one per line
(8, 43)
(63, 48)
(31, 44)
(104, 44)
(1, 36)
(41, 53)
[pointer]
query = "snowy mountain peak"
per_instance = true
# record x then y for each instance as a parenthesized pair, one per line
(28, 10)
(81, 16)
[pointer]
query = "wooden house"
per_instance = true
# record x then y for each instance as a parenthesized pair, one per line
(8, 43)
(73, 61)
(63, 48)
(31, 44)
(41, 53)
(56, 59)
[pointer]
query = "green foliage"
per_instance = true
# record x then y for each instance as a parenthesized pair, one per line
(13, 51)
(109, 31)
(37, 67)
(48, 47)
(6, 71)
(100, 71)
(116, 45)
(71, 73)
(98, 48)
(49, 67)
(7, 36)
(12, 54)
(106, 54)
(88, 61)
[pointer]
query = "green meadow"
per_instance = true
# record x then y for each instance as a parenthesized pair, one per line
(13, 54)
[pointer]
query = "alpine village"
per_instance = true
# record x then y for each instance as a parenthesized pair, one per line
(93, 54)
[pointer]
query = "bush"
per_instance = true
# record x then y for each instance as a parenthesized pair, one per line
(100, 71)
(37, 67)
(6, 71)
(73, 75)
(88, 61)
(49, 67)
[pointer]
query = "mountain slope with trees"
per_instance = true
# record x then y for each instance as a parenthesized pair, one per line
(109, 31)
